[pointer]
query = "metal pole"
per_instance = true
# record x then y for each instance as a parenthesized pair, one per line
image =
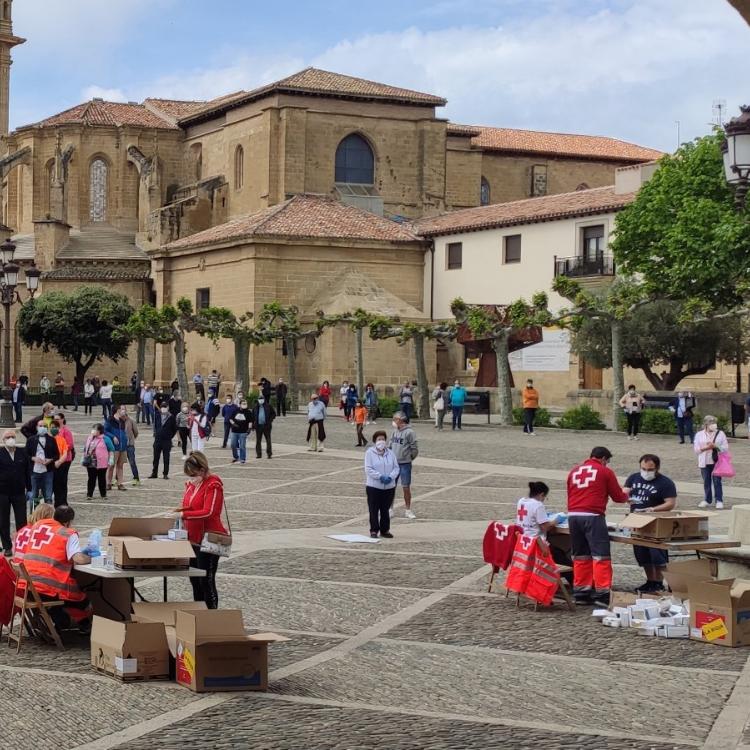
(6, 339)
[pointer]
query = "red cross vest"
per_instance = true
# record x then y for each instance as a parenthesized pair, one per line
(21, 542)
(46, 561)
(533, 572)
(498, 544)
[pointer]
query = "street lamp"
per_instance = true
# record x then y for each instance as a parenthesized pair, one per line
(736, 153)
(9, 295)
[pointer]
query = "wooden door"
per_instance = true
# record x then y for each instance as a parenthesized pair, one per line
(592, 379)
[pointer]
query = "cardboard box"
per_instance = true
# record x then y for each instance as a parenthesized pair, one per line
(164, 612)
(215, 654)
(627, 598)
(666, 526)
(134, 549)
(679, 573)
(129, 650)
(720, 611)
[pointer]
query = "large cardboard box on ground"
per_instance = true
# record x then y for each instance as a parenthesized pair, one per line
(666, 526)
(215, 654)
(134, 549)
(720, 611)
(679, 573)
(129, 650)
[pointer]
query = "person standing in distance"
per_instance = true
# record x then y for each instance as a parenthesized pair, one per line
(381, 473)
(682, 406)
(530, 403)
(632, 403)
(281, 393)
(405, 448)
(316, 416)
(263, 416)
(15, 482)
(590, 485)
(457, 399)
(165, 427)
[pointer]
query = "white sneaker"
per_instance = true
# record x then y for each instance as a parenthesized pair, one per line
(635, 437)
(391, 513)
(719, 505)
(409, 513)
(704, 504)
(183, 457)
(533, 434)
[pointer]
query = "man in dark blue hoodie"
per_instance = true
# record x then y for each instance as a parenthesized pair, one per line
(228, 412)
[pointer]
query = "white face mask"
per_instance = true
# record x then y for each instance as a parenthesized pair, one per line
(184, 410)
(648, 476)
(261, 401)
(380, 445)
(195, 480)
(712, 428)
(395, 425)
(94, 433)
(10, 442)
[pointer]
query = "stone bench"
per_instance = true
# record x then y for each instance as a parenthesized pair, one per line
(734, 562)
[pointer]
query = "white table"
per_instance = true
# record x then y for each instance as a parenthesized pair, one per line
(103, 574)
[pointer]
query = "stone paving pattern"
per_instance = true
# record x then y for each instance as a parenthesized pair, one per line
(464, 669)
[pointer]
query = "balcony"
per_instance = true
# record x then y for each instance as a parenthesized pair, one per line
(585, 267)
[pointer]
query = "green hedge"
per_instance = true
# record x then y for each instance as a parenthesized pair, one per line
(388, 405)
(542, 418)
(662, 422)
(581, 418)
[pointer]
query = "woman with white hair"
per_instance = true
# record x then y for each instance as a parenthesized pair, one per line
(708, 443)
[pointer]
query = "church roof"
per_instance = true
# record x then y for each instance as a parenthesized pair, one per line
(101, 112)
(172, 108)
(529, 211)
(303, 216)
(512, 140)
(97, 273)
(316, 82)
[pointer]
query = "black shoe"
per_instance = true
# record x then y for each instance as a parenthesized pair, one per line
(374, 534)
(269, 456)
(8, 552)
(644, 588)
(386, 534)
(152, 476)
(166, 476)
(582, 599)
(601, 598)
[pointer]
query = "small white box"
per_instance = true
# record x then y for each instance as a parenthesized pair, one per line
(100, 561)
(611, 621)
(647, 631)
(625, 620)
(177, 535)
(652, 612)
(601, 613)
(677, 631)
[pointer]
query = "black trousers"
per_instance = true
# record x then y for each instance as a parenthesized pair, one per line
(634, 422)
(18, 504)
(261, 431)
(528, 419)
(379, 502)
(204, 589)
(87, 408)
(96, 476)
(227, 429)
(183, 432)
(60, 484)
(162, 450)
(281, 406)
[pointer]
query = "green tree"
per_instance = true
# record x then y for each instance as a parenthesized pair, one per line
(682, 234)
(83, 327)
(498, 322)
(734, 345)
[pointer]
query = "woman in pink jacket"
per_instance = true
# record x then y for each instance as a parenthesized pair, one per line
(97, 455)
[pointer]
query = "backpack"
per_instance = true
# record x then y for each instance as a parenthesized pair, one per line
(204, 430)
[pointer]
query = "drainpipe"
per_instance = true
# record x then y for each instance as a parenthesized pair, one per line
(432, 278)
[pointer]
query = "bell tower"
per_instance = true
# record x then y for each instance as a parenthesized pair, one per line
(7, 42)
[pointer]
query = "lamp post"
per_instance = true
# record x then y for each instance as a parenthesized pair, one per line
(736, 152)
(9, 295)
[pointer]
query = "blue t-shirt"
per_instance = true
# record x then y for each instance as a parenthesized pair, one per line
(648, 494)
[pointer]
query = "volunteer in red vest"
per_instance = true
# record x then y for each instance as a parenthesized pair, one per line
(52, 550)
(201, 510)
(590, 484)
(42, 512)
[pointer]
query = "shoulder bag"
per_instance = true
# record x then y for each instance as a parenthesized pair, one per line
(216, 543)
(89, 459)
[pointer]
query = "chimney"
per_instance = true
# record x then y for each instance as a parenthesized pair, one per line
(50, 236)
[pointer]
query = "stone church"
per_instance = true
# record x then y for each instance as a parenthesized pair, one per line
(300, 191)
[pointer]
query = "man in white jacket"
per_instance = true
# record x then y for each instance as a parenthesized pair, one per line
(381, 472)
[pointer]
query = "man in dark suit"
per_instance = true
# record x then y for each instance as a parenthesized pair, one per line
(42, 453)
(281, 392)
(263, 416)
(15, 481)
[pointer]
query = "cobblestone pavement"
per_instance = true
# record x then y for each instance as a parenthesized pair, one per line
(395, 645)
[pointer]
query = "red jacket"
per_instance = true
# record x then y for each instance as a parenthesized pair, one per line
(498, 544)
(202, 507)
(589, 486)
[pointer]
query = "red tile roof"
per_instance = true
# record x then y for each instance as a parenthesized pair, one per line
(174, 108)
(303, 216)
(100, 112)
(530, 211)
(462, 130)
(324, 83)
(559, 144)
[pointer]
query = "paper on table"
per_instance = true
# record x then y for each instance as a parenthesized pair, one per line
(353, 538)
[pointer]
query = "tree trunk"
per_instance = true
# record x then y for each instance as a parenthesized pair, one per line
(241, 365)
(360, 362)
(291, 363)
(422, 384)
(504, 395)
(618, 377)
(83, 367)
(739, 358)
(179, 360)
(141, 358)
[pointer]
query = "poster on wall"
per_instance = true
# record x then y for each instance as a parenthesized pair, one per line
(552, 354)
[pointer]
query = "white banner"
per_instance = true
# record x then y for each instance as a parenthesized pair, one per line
(552, 354)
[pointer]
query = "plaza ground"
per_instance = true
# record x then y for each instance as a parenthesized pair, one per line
(394, 645)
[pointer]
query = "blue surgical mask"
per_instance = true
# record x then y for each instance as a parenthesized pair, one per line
(41, 430)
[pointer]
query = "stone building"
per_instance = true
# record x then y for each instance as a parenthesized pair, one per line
(150, 198)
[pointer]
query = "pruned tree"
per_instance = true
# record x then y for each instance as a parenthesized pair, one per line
(357, 321)
(498, 323)
(83, 327)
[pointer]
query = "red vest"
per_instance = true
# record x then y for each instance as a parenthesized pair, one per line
(590, 484)
(21, 542)
(533, 572)
(498, 544)
(46, 561)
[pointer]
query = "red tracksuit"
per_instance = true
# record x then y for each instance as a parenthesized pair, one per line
(590, 484)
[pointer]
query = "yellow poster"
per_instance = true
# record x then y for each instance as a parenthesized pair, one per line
(714, 629)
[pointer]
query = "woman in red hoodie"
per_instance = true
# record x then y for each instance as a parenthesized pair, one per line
(201, 510)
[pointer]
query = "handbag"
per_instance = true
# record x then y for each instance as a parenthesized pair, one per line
(440, 404)
(89, 459)
(723, 466)
(216, 543)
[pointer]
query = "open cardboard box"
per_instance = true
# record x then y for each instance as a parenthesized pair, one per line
(134, 549)
(720, 611)
(215, 654)
(679, 573)
(666, 526)
(129, 650)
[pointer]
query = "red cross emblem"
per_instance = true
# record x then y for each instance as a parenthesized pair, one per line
(522, 512)
(22, 538)
(526, 542)
(501, 531)
(583, 476)
(41, 535)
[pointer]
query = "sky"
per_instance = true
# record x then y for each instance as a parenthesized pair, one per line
(625, 68)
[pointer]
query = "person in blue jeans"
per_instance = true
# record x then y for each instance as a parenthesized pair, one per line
(42, 452)
(457, 400)
(240, 425)
(708, 444)
(227, 413)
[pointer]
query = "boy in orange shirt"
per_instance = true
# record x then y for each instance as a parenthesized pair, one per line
(530, 403)
(360, 415)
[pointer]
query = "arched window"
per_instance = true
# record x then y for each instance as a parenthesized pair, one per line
(484, 192)
(98, 190)
(239, 167)
(355, 161)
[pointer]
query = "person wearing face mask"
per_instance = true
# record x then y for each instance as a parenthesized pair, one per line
(683, 406)
(632, 404)
(199, 430)
(66, 447)
(708, 443)
(42, 452)
(114, 428)
(381, 473)
(590, 484)
(131, 432)
(404, 446)
(316, 416)
(227, 414)
(240, 426)
(98, 453)
(183, 427)
(15, 482)
(530, 403)
(263, 416)
(651, 492)
(457, 399)
(165, 428)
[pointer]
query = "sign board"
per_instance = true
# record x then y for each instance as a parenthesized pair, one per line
(552, 354)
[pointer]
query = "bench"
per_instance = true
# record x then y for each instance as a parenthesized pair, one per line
(738, 415)
(657, 402)
(478, 402)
